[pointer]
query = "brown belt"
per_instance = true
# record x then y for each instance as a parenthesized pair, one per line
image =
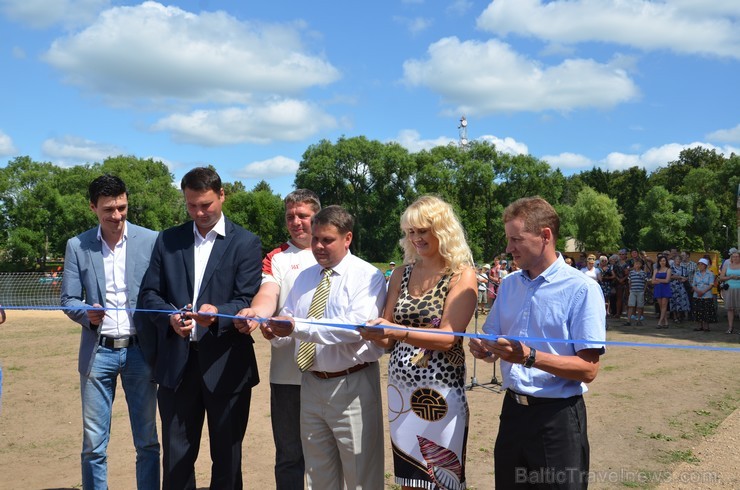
(533, 400)
(353, 369)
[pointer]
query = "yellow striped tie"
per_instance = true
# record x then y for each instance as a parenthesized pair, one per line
(307, 350)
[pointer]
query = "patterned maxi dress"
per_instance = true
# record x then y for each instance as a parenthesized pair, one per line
(679, 299)
(427, 406)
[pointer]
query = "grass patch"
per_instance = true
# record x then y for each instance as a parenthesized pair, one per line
(706, 429)
(609, 368)
(623, 396)
(680, 456)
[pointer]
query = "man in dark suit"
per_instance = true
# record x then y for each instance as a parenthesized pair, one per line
(103, 268)
(204, 366)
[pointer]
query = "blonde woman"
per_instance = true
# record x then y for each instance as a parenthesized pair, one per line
(435, 289)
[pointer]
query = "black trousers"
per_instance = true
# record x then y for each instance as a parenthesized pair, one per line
(543, 445)
(183, 411)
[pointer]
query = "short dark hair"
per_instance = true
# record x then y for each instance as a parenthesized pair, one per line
(304, 196)
(201, 179)
(106, 185)
(336, 216)
(536, 214)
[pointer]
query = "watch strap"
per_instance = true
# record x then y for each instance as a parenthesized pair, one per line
(529, 361)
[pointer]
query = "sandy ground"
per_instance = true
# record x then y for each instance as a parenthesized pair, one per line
(657, 416)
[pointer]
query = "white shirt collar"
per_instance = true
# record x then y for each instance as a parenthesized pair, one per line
(124, 236)
(219, 228)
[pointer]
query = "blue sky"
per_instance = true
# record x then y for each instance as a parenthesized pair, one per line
(248, 86)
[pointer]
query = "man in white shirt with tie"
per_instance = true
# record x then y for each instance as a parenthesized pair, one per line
(341, 405)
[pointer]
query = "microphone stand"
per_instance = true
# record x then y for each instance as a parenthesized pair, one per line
(474, 380)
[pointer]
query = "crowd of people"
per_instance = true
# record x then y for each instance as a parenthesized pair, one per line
(679, 288)
(172, 315)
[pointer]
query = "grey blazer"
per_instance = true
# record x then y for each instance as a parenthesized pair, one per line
(83, 281)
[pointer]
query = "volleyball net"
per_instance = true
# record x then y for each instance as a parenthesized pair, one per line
(30, 289)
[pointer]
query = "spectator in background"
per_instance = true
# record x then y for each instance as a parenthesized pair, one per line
(703, 298)
(679, 302)
(482, 278)
(715, 289)
(662, 288)
(607, 276)
(582, 259)
(513, 267)
(621, 271)
(729, 256)
(690, 267)
(636, 303)
(569, 261)
(389, 271)
(730, 278)
(503, 271)
(590, 270)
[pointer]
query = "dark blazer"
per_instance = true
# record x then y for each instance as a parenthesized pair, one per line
(231, 279)
(83, 282)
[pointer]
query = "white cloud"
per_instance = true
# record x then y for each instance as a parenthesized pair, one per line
(40, 14)
(73, 150)
(152, 51)
(650, 159)
(684, 26)
(507, 145)
(7, 147)
(414, 25)
(489, 77)
(272, 167)
(731, 135)
(459, 7)
(411, 140)
(287, 120)
(568, 161)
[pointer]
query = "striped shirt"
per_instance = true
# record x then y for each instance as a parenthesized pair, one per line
(637, 279)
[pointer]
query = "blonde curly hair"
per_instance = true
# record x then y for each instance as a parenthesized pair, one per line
(432, 213)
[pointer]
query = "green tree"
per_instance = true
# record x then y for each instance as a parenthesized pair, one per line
(153, 200)
(629, 187)
(663, 226)
(597, 221)
(260, 212)
(369, 179)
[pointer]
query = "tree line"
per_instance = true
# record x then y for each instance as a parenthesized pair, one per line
(683, 204)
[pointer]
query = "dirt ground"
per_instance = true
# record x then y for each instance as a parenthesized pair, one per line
(658, 417)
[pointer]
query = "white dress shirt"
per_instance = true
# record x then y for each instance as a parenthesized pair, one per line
(202, 250)
(357, 295)
(117, 322)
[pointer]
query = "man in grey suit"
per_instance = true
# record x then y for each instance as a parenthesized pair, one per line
(103, 269)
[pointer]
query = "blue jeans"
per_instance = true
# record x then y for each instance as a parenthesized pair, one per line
(98, 391)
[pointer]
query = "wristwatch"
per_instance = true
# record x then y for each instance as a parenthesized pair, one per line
(529, 361)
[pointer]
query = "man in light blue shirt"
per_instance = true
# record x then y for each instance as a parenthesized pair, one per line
(562, 311)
